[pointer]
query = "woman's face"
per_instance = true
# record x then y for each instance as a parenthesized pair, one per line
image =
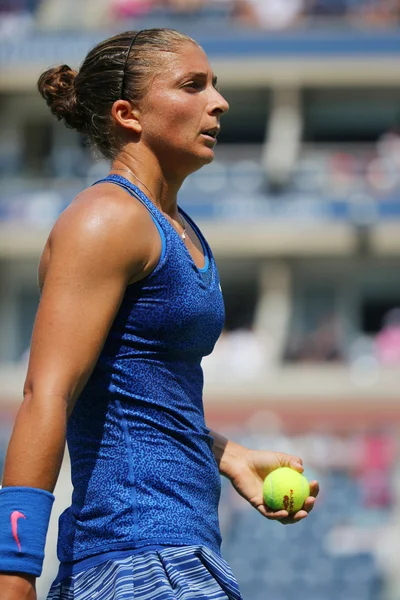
(180, 114)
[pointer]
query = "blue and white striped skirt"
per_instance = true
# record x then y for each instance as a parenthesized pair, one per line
(173, 573)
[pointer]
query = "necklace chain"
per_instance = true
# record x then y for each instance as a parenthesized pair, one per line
(181, 219)
(183, 225)
(139, 180)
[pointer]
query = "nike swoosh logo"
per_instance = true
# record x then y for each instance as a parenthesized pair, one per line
(15, 515)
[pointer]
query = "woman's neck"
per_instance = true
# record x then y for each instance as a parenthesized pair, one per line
(147, 175)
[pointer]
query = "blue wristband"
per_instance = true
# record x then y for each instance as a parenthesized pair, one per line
(24, 520)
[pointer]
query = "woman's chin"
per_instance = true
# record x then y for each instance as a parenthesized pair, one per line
(197, 160)
(208, 155)
(203, 162)
(209, 159)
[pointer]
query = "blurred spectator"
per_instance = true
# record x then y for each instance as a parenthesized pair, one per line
(377, 453)
(318, 345)
(375, 13)
(185, 6)
(73, 15)
(343, 172)
(239, 354)
(18, 6)
(388, 151)
(381, 176)
(388, 145)
(16, 17)
(328, 8)
(387, 341)
(220, 9)
(273, 15)
(122, 9)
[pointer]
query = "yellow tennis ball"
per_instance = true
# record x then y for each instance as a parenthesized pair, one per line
(285, 489)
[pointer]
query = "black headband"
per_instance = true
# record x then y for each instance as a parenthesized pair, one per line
(126, 62)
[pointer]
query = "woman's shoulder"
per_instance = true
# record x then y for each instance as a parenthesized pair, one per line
(105, 223)
(105, 210)
(107, 204)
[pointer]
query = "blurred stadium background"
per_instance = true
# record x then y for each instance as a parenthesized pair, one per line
(302, 209)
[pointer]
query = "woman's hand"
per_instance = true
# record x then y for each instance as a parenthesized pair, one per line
(17, 586)
(247, 474)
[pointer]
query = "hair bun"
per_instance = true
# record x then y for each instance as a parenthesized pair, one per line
(56, 85)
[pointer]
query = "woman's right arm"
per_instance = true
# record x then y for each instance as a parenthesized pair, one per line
(98, 246)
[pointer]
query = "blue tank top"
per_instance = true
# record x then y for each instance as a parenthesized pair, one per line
(142, 465)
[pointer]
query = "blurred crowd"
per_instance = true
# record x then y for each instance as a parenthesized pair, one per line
(243, 354)
(271, 15)
(324, 344)
(352, 172)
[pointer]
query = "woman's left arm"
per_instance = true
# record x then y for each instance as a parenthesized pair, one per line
(247, 470)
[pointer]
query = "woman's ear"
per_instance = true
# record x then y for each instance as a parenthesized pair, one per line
(126, 116)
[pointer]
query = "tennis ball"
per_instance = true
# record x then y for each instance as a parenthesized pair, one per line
(285, 489)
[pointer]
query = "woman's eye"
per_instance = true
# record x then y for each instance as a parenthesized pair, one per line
(194, 85)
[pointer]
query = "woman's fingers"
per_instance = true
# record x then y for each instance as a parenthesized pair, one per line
(292, 519)
(314, 488)
(274, 515)
(309, 503)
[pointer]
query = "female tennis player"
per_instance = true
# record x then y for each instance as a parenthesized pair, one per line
(130, 304)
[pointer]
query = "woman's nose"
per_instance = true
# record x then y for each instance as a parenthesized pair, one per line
(219, 105)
